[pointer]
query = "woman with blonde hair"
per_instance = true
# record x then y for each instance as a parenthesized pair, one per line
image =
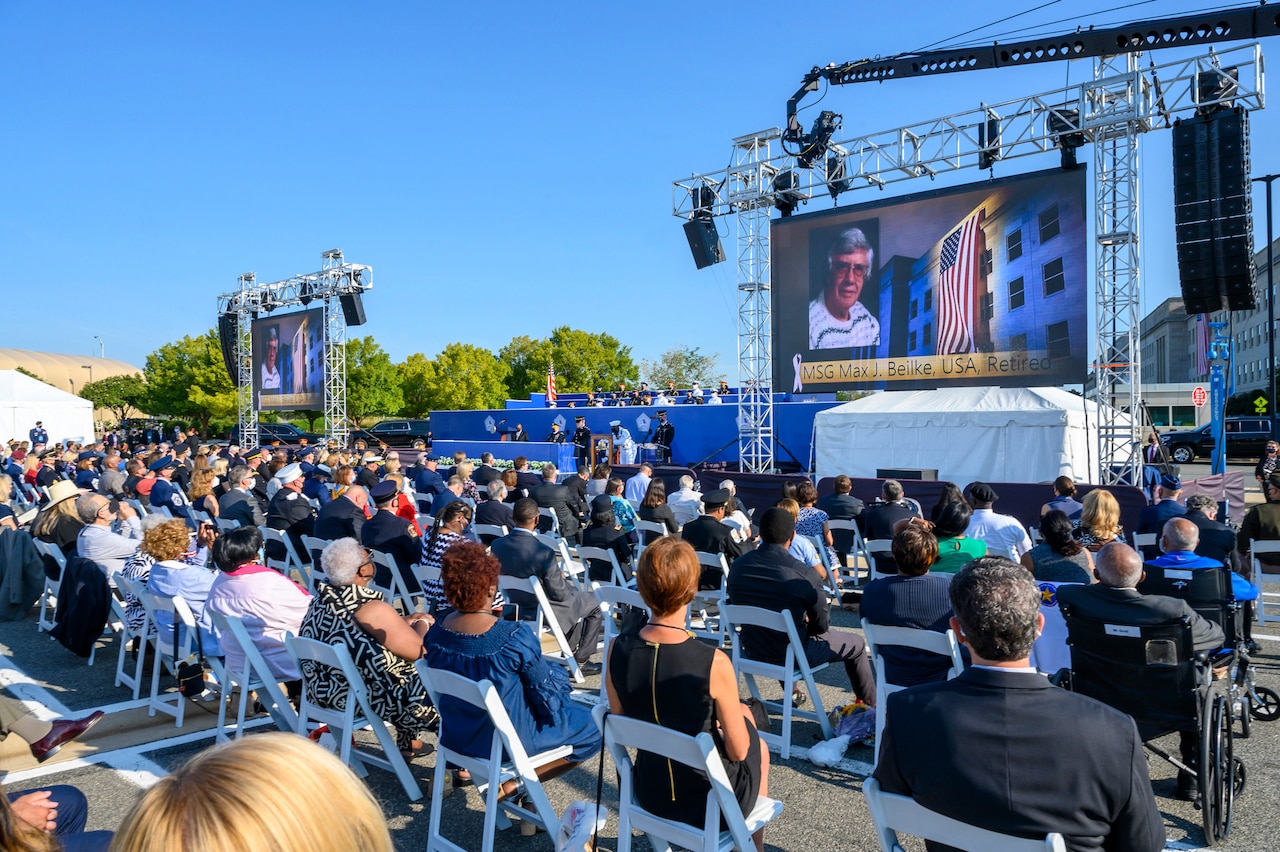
(58, 524)
(470, 491)
(230, 797)
(344, 476)
(1099, 522)
(201, 493)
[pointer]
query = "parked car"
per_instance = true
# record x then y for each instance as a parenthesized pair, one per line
(285, 433)
(1246, 437)
(398, 433)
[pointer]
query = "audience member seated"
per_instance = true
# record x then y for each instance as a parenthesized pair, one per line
(686, 504)
(290, 513)
(879, 521)
(44, 737)
(201, 493)
(514, 491)
(58, 523)
(955, 548)
(181, 570)
(604, 532)
(472, 641)
(551, 495)
(812, 520)
(525, 478)
(521, 554)
(1060, 558)
(343, 517)
(495, 511)
(841, 505)
(383, 645)
(240, 503)
(599, 479)
(47, 819)
(1262, 523)
(428, 483)
(655, 509)
(1178, 543)
(708, 534)
(801, 548)
(236, 796)
(1002, 748)
(268, 603)
(107, 537)
(1152, 518)
(915, 598)
(387, 532)
(1217, 540)
(624, 515)
(1115, 599)
(1003, 531)
(1099, 522)
(689, 687)
(449, 531)
(735, 517)
(401, 504)
(1064, 499)
(770, 578)
(638, 485)
(950, 493)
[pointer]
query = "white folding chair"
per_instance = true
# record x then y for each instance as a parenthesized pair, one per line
(882, 546)
(314, 546)
(824, 559)
(891, 813)
(226, 525)
(49, 596)
(494, 531)
(698, 753)
(507, 760)
(142, 510)
(878, 636)
(794, 667)
(858, 551)
(426, 522)
(200, 517)
(172, 703)
(355, 715)
(610, 598)
(714, 598)
(555, 522)
(1263, 580)
(574, 571)
(133, 681)
(603, 554)
(254, 676)
(398, 592)
(291, 561)
(544, 622)
(1141, 540)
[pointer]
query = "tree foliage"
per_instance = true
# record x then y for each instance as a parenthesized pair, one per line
(121, 395)
(417, 379)
(584, 361)
(24, 371)
(683, 365)
(188, 379)
(373, 385)
(464, 377)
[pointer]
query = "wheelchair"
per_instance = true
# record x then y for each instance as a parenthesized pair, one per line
(1208, 592)
(1152, 673)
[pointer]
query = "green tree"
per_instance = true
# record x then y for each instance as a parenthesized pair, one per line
(188, 379)
(417, 379)
(584, 361)
(24, 371)
(527, 358)
(466, 377)
(373, 386)
(121, 395)
(683, 365)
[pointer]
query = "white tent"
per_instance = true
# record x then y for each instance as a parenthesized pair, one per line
(993, 434)
(24, 400)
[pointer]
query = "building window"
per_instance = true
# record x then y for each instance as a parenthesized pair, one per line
(1159, 415)
(1183, 415)
(928, 300)
(1056, 341)
(1013, 245)
(1018, 343)
(987, 303)
(986, 262)
(1049, 227)
(1054, 279)
(915, 308)
(928, 336)
(1017, 293)
(911, 342)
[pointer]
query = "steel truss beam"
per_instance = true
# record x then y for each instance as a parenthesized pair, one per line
(1110, 110)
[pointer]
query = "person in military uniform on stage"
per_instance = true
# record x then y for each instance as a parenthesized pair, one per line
(663, 435)
(393, 535)
(290, 513)
(557, 436)
(581, 441)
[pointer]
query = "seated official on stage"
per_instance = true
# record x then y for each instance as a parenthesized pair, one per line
(1001, 748)
(770, 578)
(1115, 599)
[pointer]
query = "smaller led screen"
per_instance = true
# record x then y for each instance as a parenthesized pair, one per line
(289, 361)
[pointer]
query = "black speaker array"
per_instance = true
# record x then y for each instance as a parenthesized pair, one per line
(228, 329)
(352, 308)
(1213, 211)
(704, 241)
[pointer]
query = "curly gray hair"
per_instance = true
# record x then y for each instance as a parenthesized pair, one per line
(996, 602)
(342, 559)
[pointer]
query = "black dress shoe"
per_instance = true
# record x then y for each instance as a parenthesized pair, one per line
(590, 668)
(1253, 648)
(1188, 788)
(63, 732)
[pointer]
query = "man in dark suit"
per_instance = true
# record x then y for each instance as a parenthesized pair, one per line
(1002, 748)
(1152, 518)
(771, 578)
(495, 511)
(486, 472)
(1217, 540)
(577, 486)
(290, 513)
(391, 534)
(550, 495)
(428, 483)
(240, 504)
(343, 517)
(522, 555)
(709, 534)
(519, 434)
(842, 506)
(878, 520)
(1115, 599)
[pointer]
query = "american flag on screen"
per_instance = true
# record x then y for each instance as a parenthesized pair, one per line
(958, 272)
(551, 380)
(1202, 345)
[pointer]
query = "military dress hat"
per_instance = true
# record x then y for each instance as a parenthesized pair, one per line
(716, 498)
(580, 418)
(166, 463)
(306, 451)
(86, 456)
(1169, 482)
(662, 412)
(383, 491)
(289, 473)
(615, 422)
(255, 453)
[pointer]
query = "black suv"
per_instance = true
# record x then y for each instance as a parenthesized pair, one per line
(399, 433)
(1246, 436)
(285, 433)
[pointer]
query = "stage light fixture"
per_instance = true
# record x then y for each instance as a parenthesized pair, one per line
(305, 293)
(1216, 90)
(838, 179)
(989, 139)
(787, 194)
(1064, 126)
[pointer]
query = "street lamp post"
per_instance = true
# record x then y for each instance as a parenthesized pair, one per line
(88, 367)
(102, 347)
(1271, 310)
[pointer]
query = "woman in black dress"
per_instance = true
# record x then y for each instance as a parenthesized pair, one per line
(662, 675)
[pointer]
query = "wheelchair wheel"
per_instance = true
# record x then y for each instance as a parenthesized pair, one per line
(1266, 704)
(1217, 768)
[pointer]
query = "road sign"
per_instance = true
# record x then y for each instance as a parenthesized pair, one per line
(1199, 397)
(1260, 405)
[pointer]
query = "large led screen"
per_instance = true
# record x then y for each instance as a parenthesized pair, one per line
(288, 361)
(984, 284)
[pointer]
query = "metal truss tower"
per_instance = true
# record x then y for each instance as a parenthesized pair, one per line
(335, 376)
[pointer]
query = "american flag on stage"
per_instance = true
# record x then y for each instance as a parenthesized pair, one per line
(1202, 345)
(551, 380)
(958, 271)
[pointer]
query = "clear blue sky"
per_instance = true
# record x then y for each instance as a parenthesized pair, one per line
(504, 167)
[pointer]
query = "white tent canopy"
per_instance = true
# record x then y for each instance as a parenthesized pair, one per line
(966, 434)
(24, 400)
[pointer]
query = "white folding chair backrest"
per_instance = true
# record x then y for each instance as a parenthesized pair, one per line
(49, 595)
(1264, 580)
(495, 530)
(128, 587)
(291, 562)
(356, 713)
(717, 597)
(226, 525)
(891, 813)
(828, 567)
(555, 522)
(654, 528)
(795, 666)
(142, 510)
(1144, 539)
(544, 622)
(878, 636)
(254, 676)
(610, 597)
(506, 760)
(882, 546)
(602, 554)
(314, 546)
(698, 753)
(398, 593)
(859, 548)
(173, 704)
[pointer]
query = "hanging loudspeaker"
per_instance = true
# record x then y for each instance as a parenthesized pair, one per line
(352, 308)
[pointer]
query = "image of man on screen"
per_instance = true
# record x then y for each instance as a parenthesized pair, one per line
(270, 363)
(837, 320)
